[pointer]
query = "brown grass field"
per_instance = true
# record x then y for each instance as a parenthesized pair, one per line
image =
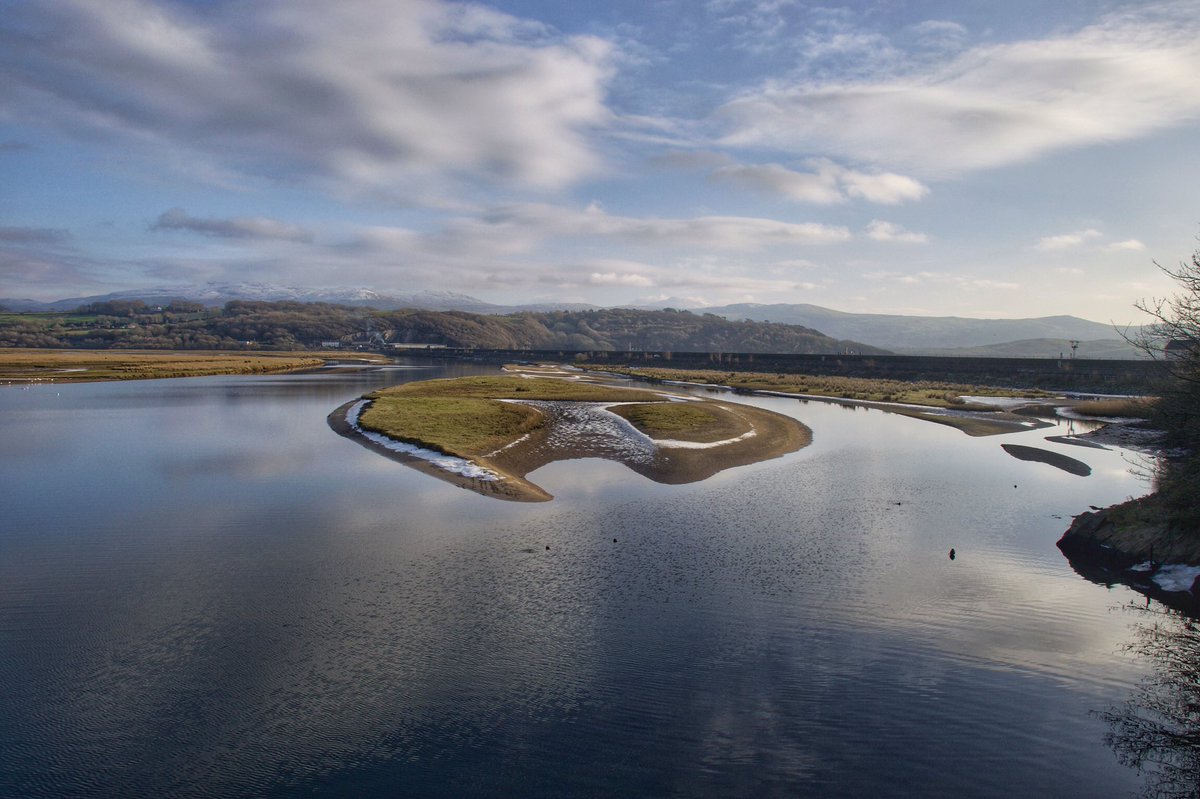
(62, 366)
(932, 394)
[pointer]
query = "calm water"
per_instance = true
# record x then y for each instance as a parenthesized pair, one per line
(206, 591)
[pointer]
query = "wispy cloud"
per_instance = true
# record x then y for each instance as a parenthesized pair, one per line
(538, 222)
(252, 227)
(1129, 75)
(370, 93)
(32, 235)
(1128, 245)
(1066, 241)
(827, 183)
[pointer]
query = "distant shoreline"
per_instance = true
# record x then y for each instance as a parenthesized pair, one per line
(20, 366)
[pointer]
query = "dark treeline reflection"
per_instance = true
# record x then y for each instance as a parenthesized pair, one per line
(1157, 731)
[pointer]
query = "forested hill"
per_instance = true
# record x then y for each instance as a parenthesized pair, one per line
(293, 325)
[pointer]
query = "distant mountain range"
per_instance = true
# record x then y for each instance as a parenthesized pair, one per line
(215, 295)
(1042, 337)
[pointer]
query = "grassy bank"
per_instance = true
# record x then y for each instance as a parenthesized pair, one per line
(683, 421)
(1118, 408)
(33, 365)
(932, 394)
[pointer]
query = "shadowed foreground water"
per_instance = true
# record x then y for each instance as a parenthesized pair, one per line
(205, 591)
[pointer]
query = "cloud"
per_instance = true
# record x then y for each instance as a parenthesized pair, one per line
(617, 279)
(364, 93)
(253, 227)
(1129, 75)
(1126, 246)
(827, 183)
(1066, 241)
(32, 235)
(531, 223)
(820, 188)
(878, 230)
(940, 34)
(13, 145)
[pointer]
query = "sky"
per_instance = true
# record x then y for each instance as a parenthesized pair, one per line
(934, 157)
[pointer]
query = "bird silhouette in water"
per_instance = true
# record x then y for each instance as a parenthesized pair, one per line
(951, 553)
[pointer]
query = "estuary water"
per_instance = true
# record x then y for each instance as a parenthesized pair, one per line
(205, 591)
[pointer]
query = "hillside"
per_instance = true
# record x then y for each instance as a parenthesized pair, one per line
(293, 325)
(928, 334)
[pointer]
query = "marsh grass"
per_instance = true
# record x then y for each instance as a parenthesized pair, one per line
(929, 393)
(688, 421)
(27, 365)
(1124, 407)
(464, 426)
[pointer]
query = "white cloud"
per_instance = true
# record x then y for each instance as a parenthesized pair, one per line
(369, 93)
(886, 188)
(827, 183)
(1066, 241)
(618, 279)
(1125, 246)
(880, 230)
(1127, 76)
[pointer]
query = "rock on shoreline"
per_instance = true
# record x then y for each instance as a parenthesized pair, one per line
(1134, 543)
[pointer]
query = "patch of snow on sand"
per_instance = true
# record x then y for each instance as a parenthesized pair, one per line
(448, 463)
(666, 442)
(1176, 577)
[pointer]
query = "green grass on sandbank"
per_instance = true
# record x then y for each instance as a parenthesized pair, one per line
(466, 417)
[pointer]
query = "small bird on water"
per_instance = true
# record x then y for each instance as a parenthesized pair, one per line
(951, 553)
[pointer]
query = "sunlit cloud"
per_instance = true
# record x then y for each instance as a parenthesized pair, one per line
(1128, 245)
(880, 230)
(1066, 241)
(1126, 76)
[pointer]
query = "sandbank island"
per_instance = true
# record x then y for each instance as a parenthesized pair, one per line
(487, 433)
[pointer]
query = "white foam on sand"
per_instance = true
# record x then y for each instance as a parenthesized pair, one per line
(1176, 577)
(447, 463)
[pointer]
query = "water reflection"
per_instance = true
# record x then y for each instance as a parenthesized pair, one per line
(208, 597)
(1157, 731)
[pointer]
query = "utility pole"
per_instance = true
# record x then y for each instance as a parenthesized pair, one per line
(1074, 346)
